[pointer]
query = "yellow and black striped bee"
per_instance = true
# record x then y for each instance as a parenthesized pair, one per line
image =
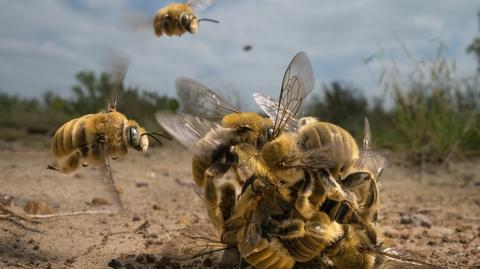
(95, 138)
(179, 18)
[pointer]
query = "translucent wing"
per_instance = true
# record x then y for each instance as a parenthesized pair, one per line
(251, 234)
(389, 259)
(271, 107)
(197, 99)
(193, 242)
(199, 5)
(370, 160)
(298, 82)
(187, 129)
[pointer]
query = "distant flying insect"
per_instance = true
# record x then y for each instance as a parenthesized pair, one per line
(178, 18)
(92, 139)
(247, 48)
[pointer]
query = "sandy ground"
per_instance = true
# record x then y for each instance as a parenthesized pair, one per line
(436, 217)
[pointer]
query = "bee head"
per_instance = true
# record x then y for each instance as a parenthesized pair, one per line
(189, 22)
(135, 136)
(249, 125)
(276, 151)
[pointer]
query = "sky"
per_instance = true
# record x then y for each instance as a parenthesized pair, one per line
(44, 43)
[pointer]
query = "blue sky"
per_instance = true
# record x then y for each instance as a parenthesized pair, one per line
(45, 42)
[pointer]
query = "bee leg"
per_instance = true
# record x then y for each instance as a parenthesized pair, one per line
(218, 198)
(310, 196)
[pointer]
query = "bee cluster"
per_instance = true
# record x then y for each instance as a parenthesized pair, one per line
(302, 190)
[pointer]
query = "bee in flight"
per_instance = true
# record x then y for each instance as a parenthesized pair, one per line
(178, 18)
(95, 138)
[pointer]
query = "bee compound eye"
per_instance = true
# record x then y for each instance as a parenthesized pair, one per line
(185, 21)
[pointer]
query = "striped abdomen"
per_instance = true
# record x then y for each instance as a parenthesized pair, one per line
(343, 150)
(270, 255)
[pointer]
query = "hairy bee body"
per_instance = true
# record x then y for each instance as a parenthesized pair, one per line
(175, 19)
(270, 254)
(342, 147)
(79, 140)
(347, 253)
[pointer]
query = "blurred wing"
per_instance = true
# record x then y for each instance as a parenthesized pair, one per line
(118, 66)
(367, 135)
(388, 260)
(199, 5)
(298, 82)
(372, 161)
(109, 175)
(197, 99)
(271, 107)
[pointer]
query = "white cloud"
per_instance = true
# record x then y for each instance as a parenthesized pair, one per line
(45, 42)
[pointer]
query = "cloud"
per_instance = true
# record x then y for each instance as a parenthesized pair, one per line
(44, 43)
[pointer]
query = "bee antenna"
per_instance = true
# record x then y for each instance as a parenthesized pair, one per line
(152, 136)
(210, 20)
(162, 135)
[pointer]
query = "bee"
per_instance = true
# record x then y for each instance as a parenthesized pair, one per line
(178, 18)
(95, 138)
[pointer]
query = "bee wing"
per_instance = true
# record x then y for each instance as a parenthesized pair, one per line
(271, 107)
(390, 259)
(298, 81)
(315, 158)
(251, 235)
(118, 67)
(192, 242)
(372, 161)
(187, 129)
(197, 99)
(109, 175)
(199, 5)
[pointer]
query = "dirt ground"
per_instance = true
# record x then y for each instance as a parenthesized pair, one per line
(436, 216)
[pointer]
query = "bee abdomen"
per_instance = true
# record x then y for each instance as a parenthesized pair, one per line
(59, 149)
(270, 255)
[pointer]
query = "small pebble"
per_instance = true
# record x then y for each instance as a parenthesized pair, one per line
(116, 264)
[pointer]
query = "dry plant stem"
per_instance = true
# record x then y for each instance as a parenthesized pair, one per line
(12, 212)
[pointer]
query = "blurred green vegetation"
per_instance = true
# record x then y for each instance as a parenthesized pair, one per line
(434, 116)
(22, 117)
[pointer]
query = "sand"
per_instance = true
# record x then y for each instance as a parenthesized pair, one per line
(436, 216)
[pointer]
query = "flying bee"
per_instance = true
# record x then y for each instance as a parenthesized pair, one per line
(95, 138)
(178, 18)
